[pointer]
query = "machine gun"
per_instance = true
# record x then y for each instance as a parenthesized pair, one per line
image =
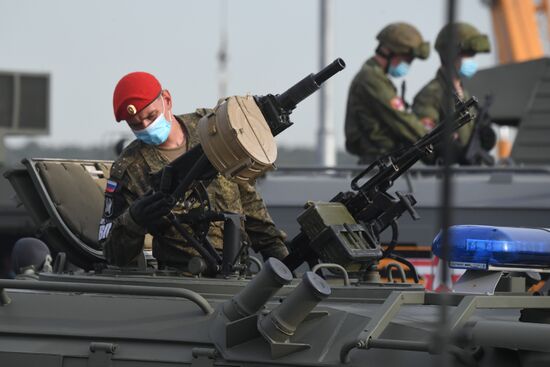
(186, 178)
(347, 229)
(176, 178)
(483, 138)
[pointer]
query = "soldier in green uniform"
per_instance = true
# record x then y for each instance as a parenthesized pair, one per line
(131, 210)
(377, 121)
(429, 103)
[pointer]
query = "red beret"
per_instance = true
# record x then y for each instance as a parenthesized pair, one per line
(133, 93)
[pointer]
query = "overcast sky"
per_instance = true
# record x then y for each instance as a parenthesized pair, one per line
(86, 46)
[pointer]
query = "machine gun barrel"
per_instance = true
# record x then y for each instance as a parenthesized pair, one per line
(176, 178)
(277, 108)
(307, 86)
(400, 164)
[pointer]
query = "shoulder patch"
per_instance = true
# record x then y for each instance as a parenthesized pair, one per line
(108, 209)
(104, 230)
(397, 103)
(114, 203)
(111, 186)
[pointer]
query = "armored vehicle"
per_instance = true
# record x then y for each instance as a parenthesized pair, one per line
(139, 316)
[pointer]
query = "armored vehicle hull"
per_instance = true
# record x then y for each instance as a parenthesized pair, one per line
(164, 321)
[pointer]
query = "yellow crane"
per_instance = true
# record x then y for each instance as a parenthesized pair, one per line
(517, 30)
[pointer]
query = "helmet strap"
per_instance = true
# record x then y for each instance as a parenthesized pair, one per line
(386, 55)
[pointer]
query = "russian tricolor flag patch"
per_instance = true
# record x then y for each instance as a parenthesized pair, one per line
(111, 186)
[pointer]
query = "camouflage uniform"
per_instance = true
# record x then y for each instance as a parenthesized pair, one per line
(376, 118)
(123, 239)
(430, 101)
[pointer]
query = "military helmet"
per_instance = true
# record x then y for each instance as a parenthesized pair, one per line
(468, 39)
(404, 39)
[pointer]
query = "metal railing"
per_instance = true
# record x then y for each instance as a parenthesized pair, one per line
(133, 290)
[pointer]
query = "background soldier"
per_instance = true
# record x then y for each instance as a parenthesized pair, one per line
(430, 103)
(377, 121)
(131, 210)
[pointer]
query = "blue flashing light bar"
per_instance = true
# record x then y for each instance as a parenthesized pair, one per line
(483, 247)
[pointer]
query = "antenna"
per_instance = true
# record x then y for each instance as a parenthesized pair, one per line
(222, 52)
(326, 145)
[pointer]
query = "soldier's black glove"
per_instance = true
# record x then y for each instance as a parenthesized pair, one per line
(149, 209)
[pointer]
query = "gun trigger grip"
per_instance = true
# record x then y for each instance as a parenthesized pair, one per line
(166, 179)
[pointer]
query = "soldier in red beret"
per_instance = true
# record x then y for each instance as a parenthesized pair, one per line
(131, 211)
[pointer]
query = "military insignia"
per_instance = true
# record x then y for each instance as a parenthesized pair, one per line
(111, 186)
(428, 123)
(108, 211)
(131, 109)
(397, 104)
(104, 230)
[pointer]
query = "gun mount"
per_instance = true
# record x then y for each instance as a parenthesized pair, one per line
(349, 228)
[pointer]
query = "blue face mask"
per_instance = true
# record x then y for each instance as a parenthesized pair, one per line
(468, 67)
(157, 132)
(400, 70)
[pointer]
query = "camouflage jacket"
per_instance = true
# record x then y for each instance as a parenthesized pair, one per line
(123, 240)
(429, 102)
(376, 119)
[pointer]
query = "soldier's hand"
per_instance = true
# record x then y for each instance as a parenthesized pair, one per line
(149, 208)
